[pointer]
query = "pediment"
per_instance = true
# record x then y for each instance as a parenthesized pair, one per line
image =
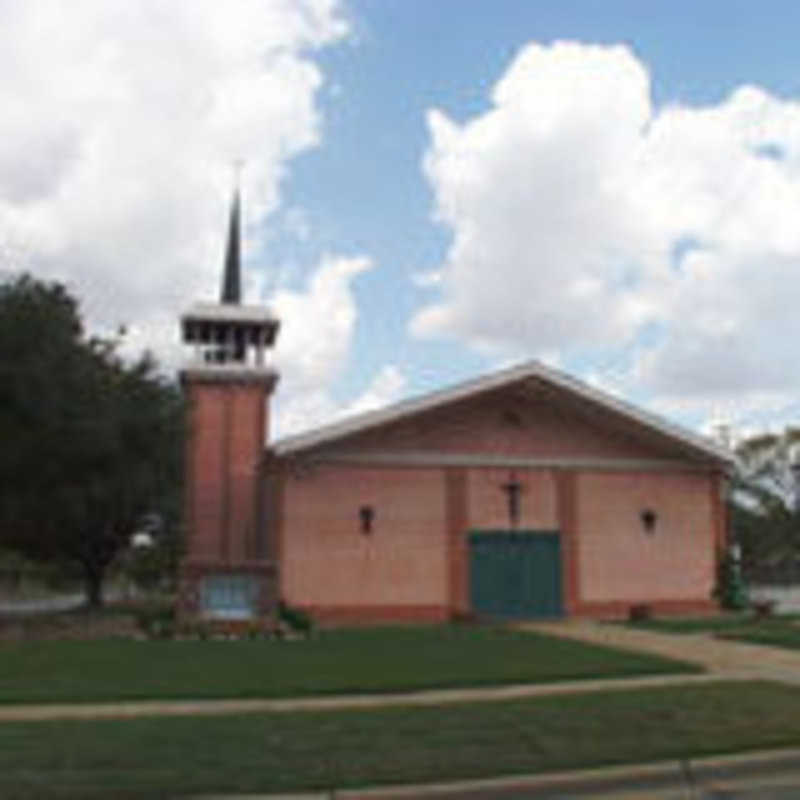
(528, 418)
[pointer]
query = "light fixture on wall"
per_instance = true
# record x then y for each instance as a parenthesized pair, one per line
(513, 490)
(366, 514)
(649, 519)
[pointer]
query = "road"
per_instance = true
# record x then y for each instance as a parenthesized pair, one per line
(42, 605)
(760, 776)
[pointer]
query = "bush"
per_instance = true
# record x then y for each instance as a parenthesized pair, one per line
(148, 567)
(157, 621)
(730, 591)
(296, 619)
(764, 608)
(640, 613)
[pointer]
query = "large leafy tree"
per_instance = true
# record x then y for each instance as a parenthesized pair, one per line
(91, 443)
(765, 515)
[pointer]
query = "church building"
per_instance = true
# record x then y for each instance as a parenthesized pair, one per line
(524, 493)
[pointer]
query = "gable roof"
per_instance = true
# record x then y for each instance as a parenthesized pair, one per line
(291, 445)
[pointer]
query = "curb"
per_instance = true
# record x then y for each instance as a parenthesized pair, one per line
(666, 775)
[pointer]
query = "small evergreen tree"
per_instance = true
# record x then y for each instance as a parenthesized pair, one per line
(730, 590)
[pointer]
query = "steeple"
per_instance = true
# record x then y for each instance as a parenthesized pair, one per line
(228, 573)
(232, 277)
(228, 333)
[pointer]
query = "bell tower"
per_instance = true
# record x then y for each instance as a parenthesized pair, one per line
(228, 572)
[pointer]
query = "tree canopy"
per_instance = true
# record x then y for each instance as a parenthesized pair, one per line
(91, 442)
(764, 511)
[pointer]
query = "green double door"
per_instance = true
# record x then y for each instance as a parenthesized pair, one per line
(515, 574)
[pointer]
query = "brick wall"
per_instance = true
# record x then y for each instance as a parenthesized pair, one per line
(225, 450)
(415, 562)
(619, 561)
(225, 488)
(328, 562)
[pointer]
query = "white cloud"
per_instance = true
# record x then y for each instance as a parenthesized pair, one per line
(314, 346)
(582, 215)
(120, 123)
(317, 324)
(425, 280)
(386, 387)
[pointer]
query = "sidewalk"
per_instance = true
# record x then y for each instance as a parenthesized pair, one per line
(721, 657)
(144, 708)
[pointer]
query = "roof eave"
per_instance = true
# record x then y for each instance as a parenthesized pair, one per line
(310, 440)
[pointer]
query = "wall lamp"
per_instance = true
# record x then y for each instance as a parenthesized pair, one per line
(513, 490)
(649, 519)
(366, 514)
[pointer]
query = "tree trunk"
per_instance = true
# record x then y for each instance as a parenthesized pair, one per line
(94, 587)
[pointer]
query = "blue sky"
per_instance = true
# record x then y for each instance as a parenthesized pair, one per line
(364, 190)
(622, 206)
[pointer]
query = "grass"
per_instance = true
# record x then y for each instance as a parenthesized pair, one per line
(718, 622)
(344, 661)
(157, 757)
(777, 631)
(772, 633)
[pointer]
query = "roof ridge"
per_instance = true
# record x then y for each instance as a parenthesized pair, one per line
(526, 369)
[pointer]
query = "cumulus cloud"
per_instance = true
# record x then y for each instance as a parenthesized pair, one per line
(317, 323)
(386, 387)
(120, 124)
(582, 216)
(314, 346)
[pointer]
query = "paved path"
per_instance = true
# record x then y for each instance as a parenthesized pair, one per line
(42, 605)
(19, 713)
(53, 603)
(722, 657)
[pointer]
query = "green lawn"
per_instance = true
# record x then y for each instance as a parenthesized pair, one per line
(718, 622)
(778, 631)
(771, 633)
(156, 757)
(344, 661)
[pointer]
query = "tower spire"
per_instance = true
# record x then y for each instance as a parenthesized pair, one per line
(232, 278)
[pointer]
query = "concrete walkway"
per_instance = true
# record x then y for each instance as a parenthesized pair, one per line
(433, 697)
(722, 657)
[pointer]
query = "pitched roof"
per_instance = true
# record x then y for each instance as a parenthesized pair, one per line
(496, 380)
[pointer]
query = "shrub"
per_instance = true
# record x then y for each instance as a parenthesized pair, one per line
(764, 608)
(145, 567)
(729, 591)
(296, 619)
(640, 612)
(157, 621)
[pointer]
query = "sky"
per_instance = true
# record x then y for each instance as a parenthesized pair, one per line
(432, 189)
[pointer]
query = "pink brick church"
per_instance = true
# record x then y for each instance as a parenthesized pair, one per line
(521, 494)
